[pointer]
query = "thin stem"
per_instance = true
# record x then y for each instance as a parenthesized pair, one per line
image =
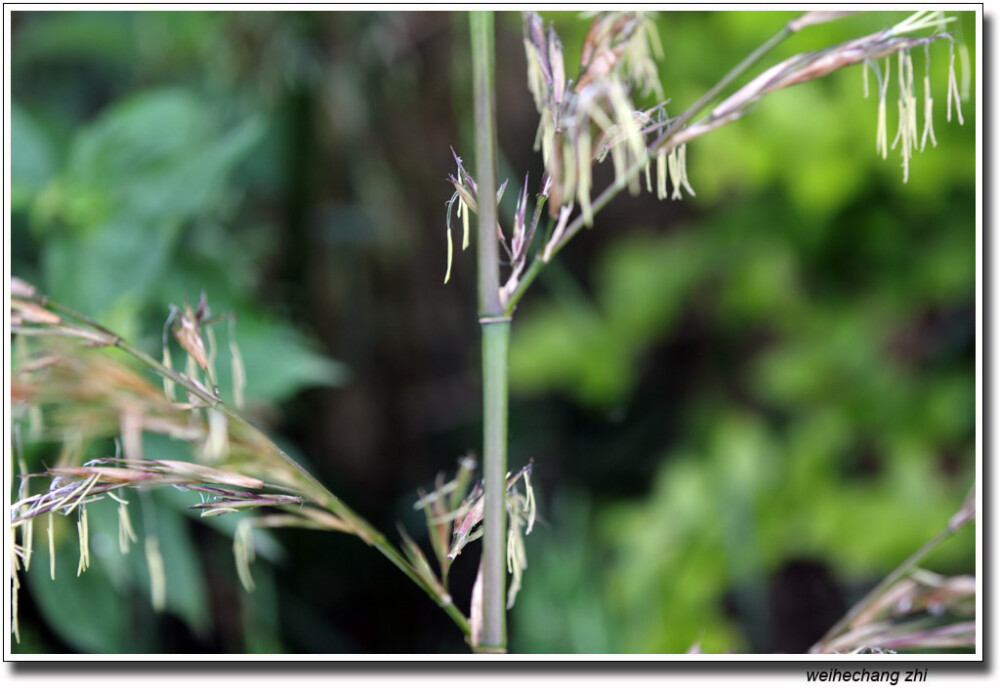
(526, 279)
(495, 339)
(444, 602)
(318, 493)
(729, 78)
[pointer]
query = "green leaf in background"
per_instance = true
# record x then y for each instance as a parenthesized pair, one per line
(33, 156)
(261, 612)
(563, 609)
(134, 177)
(644, 281)
(160, 155)
(590, 352)
(566, 347)
(128, 258)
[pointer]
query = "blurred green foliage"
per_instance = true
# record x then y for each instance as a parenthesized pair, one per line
(778, 369)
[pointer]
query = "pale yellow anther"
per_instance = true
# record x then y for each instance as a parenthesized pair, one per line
(52, 548)
(661, 175)
(583, 176)
(83, 531)
(928, 115)
(953, 94)
(157, 574)
(451, 250)
(463, 212)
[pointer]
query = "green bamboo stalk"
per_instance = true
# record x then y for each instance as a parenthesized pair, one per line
(495, 327)
(496, 338)
(481, 24)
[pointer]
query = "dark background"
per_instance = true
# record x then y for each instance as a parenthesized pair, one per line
(744, 408)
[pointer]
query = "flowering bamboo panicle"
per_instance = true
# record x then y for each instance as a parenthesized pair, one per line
(626, 41)
(187, 329)
(587, 121)
(454, 516)
(79, 395)
(521, 513)
(192, 328)
(868, 50)
(469, 514)
(20, 289)
(580, 124)
(73, 487)
(922, 610)
(912, 607)
(27, 312)
(465, 196)
(677, 165)
(590, 125)
(595, 118)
